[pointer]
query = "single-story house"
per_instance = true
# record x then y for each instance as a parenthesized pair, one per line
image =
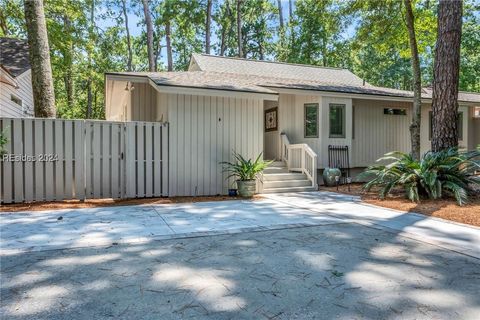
(16, 95)
(290, 112)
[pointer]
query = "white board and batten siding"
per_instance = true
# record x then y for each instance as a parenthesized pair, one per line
(91, 159)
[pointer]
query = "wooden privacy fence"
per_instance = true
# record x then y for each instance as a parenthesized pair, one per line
(54, 159)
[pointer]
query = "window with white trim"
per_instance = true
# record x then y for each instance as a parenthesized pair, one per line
(15, 99)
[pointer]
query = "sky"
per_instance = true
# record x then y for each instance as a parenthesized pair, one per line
(136, 24)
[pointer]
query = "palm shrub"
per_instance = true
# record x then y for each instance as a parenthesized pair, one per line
(245, 169)
(437, 173)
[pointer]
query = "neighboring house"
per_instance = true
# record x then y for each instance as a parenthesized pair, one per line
(16, 97)
(224, 104)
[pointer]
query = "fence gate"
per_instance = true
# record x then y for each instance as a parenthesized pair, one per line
(53, 159)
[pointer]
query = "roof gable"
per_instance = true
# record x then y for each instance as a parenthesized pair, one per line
(333, 76)
(14, 56)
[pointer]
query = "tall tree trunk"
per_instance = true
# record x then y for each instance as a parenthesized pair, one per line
(280, 14)
(127, 29)
(260, 50)
(42, 83)
(290, 20)
(169, 45)
(88, 114)
(417, 83)
(158, 51)
(446, 75)
(239, 28)
(222, 41)
(207, 26)
(89, 100)
(148, 23)
(225, 28)
(68, 62)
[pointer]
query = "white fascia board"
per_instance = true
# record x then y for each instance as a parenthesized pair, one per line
(213, 92)
(127, 77)
(360, 96)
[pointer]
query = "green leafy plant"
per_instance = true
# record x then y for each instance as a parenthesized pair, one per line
(245, 169)
(3, 142)
(437, 173)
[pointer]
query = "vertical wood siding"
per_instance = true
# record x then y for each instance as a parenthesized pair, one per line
(425, 128)
(91, 159)
(475, 133)
(292, 117)
(143, 102)
(377, 133)
(205, 130)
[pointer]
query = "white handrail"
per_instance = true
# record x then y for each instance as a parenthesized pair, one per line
(299, 157)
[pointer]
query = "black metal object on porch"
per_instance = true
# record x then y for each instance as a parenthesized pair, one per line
(338, 157)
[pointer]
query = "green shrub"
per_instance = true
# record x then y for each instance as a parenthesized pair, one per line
(245, 169)
(437, 173)
(3, 142)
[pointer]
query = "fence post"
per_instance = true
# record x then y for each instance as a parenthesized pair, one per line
(165, 155)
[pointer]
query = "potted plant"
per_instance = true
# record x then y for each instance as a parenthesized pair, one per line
(246, 172)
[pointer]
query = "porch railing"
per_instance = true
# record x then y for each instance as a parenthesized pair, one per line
(299, 157)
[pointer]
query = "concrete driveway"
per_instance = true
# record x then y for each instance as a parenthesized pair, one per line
(298, 256)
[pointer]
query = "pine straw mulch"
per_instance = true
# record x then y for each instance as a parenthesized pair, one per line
(95, 203)
(444, 208)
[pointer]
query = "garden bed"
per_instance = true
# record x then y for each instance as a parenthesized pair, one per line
(94, 203)
(444, 208)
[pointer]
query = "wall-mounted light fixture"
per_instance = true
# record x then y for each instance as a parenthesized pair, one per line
(129, 88)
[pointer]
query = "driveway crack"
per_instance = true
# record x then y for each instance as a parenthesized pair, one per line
(163, 219)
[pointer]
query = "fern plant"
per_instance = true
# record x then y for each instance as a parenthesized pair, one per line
(245, 169)
(446, 172)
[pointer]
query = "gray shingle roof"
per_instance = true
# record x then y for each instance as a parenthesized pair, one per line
(305, 77)
(267, 77)
(276, 70)
(462, 95)
(202, 80)
(14, 56)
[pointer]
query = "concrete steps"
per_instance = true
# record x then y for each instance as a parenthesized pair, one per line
(289, 189)
(277, 179)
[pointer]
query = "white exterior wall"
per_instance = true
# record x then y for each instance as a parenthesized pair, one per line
(10, 109)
